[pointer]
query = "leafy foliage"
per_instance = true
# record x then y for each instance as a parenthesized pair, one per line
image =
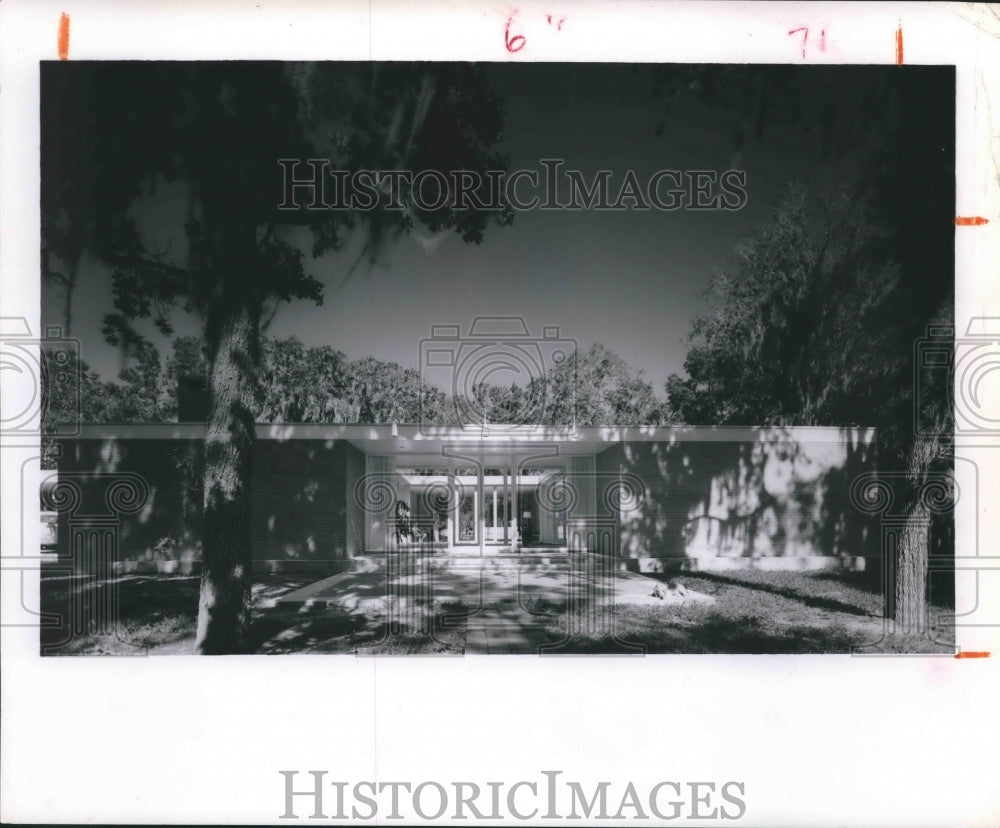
(804, 331)
(598, 387)
(319, 384)
(216, 130)
(860, 268)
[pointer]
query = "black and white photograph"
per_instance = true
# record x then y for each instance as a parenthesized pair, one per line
(416, 358)
(609, 391)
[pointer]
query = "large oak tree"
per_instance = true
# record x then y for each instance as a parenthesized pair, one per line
(813, 328)
(821, 320)
(208, 136)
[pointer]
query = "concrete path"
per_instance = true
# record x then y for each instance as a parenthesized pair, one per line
(509, 601)
(502, 630)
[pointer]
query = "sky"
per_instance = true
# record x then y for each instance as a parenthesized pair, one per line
(631, 280)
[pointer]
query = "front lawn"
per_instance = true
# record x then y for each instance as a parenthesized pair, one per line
(759, 612)
(157, 614)
(754, 612)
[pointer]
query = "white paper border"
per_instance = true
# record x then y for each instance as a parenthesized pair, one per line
(817, 740)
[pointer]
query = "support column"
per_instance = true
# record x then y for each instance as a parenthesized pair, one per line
(477, 509)
(580, 521)
(509, 510)
(380, 503)
(515, 506)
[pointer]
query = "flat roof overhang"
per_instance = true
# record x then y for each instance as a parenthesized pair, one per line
(414, 439)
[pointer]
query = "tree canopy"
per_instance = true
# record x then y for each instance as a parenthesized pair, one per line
(804, 331)
(319, 384)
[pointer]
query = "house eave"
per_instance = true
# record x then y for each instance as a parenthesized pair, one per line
(414, 438)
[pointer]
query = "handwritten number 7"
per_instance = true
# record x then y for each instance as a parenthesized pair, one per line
(805, 38)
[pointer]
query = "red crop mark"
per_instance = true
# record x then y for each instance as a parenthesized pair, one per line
(899, 45)
(971, 221)
(515, 43)
(62, 41)
(973, 654)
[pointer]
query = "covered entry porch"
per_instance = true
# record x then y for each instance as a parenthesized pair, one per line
(478, 502)
(463, 492)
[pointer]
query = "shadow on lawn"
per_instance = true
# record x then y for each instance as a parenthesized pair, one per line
(863, 581)
(437, 630)
(754, 615)
(713, 633)
(814, 601)
(126, 615)
(129, 613)
(282, 630)
(940, 583)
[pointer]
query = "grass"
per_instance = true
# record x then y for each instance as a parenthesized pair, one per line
(754, 612)
(420, 630)
(154, 613)
(759, 612)
(158, 615)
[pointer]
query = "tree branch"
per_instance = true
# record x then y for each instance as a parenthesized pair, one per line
(152, 261)
(268, 233)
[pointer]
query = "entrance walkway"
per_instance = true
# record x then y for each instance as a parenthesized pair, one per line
(505, 601)
(504, 630)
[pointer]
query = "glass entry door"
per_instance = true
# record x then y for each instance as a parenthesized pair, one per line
(546, 492)
(484, 513)
(468, 515)
(467, 520)
(499, 520)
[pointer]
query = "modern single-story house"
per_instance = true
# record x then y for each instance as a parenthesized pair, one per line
(325, 496)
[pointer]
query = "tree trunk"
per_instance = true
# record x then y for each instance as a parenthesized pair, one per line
(909, 590)
(907, 595)
(224, 606)
(70, 288)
